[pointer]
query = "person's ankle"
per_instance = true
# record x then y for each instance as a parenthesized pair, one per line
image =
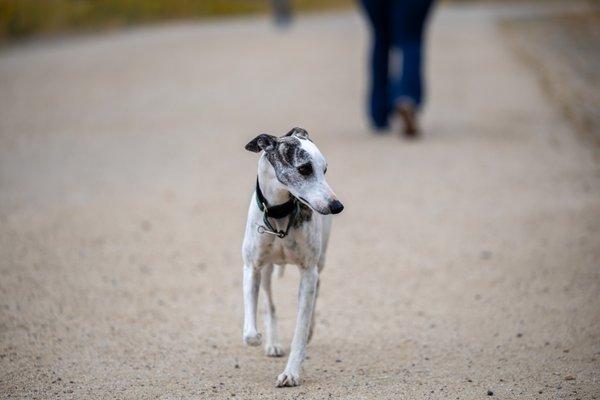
(408, 114)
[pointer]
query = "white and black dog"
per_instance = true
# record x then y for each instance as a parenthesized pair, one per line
(283, 229)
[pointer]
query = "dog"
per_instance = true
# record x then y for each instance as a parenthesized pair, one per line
(289, 221)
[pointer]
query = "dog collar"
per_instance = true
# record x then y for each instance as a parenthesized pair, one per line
(277, 212)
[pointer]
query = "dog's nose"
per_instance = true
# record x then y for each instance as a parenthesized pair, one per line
(336, 207)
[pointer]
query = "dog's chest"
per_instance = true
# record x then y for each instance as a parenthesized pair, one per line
(290, 250)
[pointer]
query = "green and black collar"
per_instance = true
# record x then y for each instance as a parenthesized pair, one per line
(276, 212)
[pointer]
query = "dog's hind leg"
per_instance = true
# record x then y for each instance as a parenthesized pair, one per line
(279, 270)
(306, 303)
(251, 286)
(272, 346)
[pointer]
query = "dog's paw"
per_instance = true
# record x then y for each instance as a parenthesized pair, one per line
(288, 379)
(274, 351)
(252, 339)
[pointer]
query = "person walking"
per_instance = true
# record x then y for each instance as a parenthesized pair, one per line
(397, 33)
(282, 11)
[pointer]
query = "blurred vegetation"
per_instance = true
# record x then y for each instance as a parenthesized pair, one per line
(26, 18)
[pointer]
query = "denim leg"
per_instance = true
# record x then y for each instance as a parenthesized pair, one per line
(377, 12)
(408, 19)
(282, 10)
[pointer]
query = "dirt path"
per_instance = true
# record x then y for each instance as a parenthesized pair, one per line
(463, 263)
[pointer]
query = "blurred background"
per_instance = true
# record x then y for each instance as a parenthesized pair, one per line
(26, 18)
(465, 262)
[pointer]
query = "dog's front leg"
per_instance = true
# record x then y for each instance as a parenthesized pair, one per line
(251, 286)
(272, 347)
(306, 304)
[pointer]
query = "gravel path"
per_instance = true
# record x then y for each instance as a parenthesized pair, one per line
(466, 262)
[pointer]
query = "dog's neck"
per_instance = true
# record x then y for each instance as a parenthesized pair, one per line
(273, 191)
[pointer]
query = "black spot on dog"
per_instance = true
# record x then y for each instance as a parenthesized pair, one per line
(288, 152)
(304, 215)
(285, 157)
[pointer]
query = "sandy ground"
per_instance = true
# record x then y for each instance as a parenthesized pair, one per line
(465, 262)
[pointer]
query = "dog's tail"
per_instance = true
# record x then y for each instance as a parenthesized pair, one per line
(278, 271)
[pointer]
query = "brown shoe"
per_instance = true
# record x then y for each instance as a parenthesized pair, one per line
(409, 118)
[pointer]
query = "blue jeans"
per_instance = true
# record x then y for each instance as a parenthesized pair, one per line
(396, 25)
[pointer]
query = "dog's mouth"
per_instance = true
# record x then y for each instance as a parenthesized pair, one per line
(306, 203)
(337, 208)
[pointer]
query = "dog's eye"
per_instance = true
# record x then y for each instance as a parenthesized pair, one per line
(305, 169)
(325, 171)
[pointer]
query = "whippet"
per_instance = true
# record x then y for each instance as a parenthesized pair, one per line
(283, 229)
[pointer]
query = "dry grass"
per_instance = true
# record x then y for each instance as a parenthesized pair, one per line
(27, 18)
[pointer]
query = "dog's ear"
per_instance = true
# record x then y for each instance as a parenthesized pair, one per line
(262, 142)
(299, 132)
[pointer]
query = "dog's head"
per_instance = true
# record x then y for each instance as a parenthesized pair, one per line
(300, 167)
